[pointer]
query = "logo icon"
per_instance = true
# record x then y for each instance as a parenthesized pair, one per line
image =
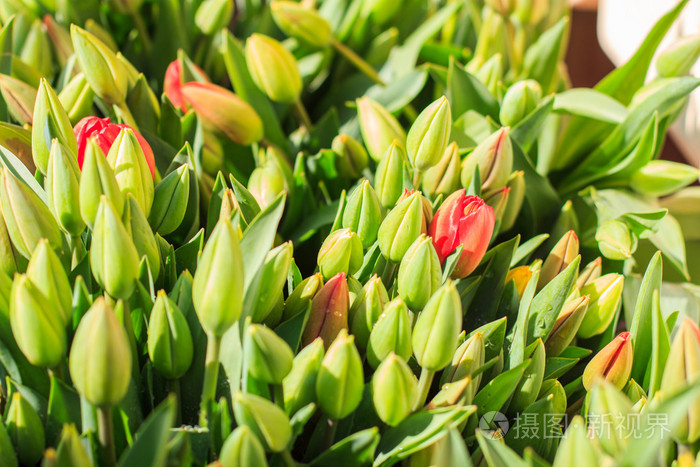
(494, 424)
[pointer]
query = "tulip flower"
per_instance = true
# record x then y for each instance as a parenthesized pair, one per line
(462, 220)
(105, 134)
(366, 309)
(329, 311)
(352, 157)
(379, 128)
(47, 274)
(520, 99)
(77, 97)
(494, 158)
(429, 135)
(443, 178)
(212, 15)
(131, 170)
(340, 381)
(266, 420)
(302, 23)
(302, 295)
(394, 388)
(613, 363)
(174, 79)
(467, 359)
(341, 252)
(299, 386)
(363, 213)
(273, 275)
(401, 227)
(390, 334)
(242, 449)
(62, 185)
(269, 358)
(273, 68)
(563, 253)
(606, 296)
(170, 201)
(566, 326)
(169, 339)
(420, 274)
(389, 177)
(615, 240)
(25, 429)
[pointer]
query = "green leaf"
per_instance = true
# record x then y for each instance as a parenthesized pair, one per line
(187, 255)
(528, 129)
(466, 92)
(555, 367)
(519, 342)
(355, 450)
(641, 326)
(494, 334)
(668, 238)
(249, 206)
(590, 103)
(660, 346)
(450, 263)
(217, 193)
(497, 454)
(19, 170)
(292, 329)
(63, 408)
(526, 249)
(539, 193)
(542, 57)
(498, 391)
(151, 438)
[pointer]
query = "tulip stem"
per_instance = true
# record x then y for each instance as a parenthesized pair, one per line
(279, 395)
(288, 459)
(359, 63)
(424, 382)
(329, 435)
(105, 434)
(211, 374)
(303, 115)
(417, 177)
(143, 32)
(77, 250)
(175, 389)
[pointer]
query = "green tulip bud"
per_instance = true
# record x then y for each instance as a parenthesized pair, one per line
(100, 357)
(494, 158)
(366, 310)
(394, 388)
(302, 23)
(217, 290)
(563, 253)
(607, 404)
(299, 386)
(36, 50)
(429, 135)
(62, 186)
(662, 178)
(606, 296)
(131, 169)
(420, 273)
(27, 218)
(613, 363)
(388, 181)
(341, 252)
(113, 256)
(140, 231)
(460, 392)
(520, 99)
(491, 72)
(401, 227)
(212, 15)
(498, 200)
(273, 68)
(576, 447)
(268, 356)
(329, 312)
(379, 128)
(266, 420)
(267, 182)
(467, 359)
(25, 429)
(552, 387)
(76, 98)
(516, 197)
(436, 332)
(97, 179)
(340, 381)
(566, 326)
(302, 295)
(50, 121)
(443, 178)
(529, 386)
(352, 157)
(19, 98)
(169, 338)
(242, 449)
(615, 240)
(170, 201)
(590, 273)
(8, 457)
(38, 325)
(103, 71)
(390, 334)
(273, 275)
(363, 213)
(47, 274)
(70, 449)
(679, 58)
(10, 259)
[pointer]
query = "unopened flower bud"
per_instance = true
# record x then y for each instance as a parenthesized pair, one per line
(141, 234)
(563, 253)
(267, 182)
(300, 383)
(494, 158)
(131, 169)
(273, 68)
(379, 128)
(615, 240)
(443, 178)
(498, 200)
(76, 98)
(576, 447)
(25, 429)
(429, 135)
(401, 227)
(520, 99)
(265, 419)
(340, 380)
(62, 186)
(516, 197)
(467, 359)
(329, 312)
(679, 58)
(366, 310)
(302, 23)
(390, 334)
(49, 121)
(19, 98)
(363, 213)
(273, 275)
(302, 295)
(420, 273)
(566, 326)
(606, 296)
(268, 356)
(394, 389)
(661, 178)
(169, 338)
(242, 449)
(529, 386)
(96, 180)
(388, 180)
(70, 449)
(613, 363)
(521, 277)
(352, 157)
(212, 15)
(47, 274)
(590, 272)
(341, 252)
(170, 201)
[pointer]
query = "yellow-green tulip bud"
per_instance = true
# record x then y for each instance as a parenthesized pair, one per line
(494, 158)
(615, 240)
(352, 157)
(19, 98)
(608, 404)
(267, 182)
(217, 290)
(388, 180)
(460, 392)
(420, 273)
(662, 178)
(552, 387)
(379, 128)
(76, 98)
(62, 186)
(169, 338)
(273, 275)
(340, 381)
(516, 197)
(520, 99)
(302, 23)
(36, 50)
(467, 359)
(529, 386)
(436, 333)
(212, 15)
(70, 449)
(131, 169)
(498, 200)
(48, 275)
(299, 386)
(366, 310)
(49, 121)
(100, 357)
(97, 179)
(613, 363)
(606, 296)
(394, 388)
(401, 227)
(443, 178)
(429, 135)
(566, 326)
(302, 295)
(363, 213)
(170, 201)
(265, 419)
(563, 253)
(576, 447)
(273, 68)
(242, 449)
(679, 58)
(60, 39)
(590, 273)
(10, 259)
(341, 252)
(269, 358)
(25, 430)
(142, 235)
(390, 334)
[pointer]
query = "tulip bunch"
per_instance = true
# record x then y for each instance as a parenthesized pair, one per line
(354, 232)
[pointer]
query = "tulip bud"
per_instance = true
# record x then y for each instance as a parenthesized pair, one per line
(460, 392)
(363, 213)
(131, 169)
(391, 334)
(266, 420)
(682, 369)
(613, 363)
(563, 253)
(429, 135)
(212, 15)
(494, 158)
(401, 227)
(70, 449)
(341, 252)
(47, 274)
(113, 256)
(520, 277)
(268, 356)
(576, 447)
(388, 180)
(242, 449)
(516, 197)
(49, 121)
(169, 339)
(302, 23)
(96, 180)
(340, 381)
(427, 206)
(27, 218)
(498, 200)
(19, 98)
(379, 128)
(462, 220)
(217, 290)
(679, 58)
(302, 295)
(299, 386)
(436, 332)
(224, 112)
(661, 178)
(100, 356)
(60, 39)
(553, 387)
(529, 386)
(141, 234)
(609, 405)
(103, 71)
(267, 182)
(590, 273)
(394, 388)
(615, 240)
(170, 201)
(273, 68)
(420, 274)
(467, 359)
(443, 178)
(25, 430)
(352, 157)
(272, 278)
(38, 325)
(606, 296)
(366, 310)
(62, 186)
(566, 326)
(329, 312)
(520, 99)
(10, 259)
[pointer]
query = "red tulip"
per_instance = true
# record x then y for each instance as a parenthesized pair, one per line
(462, 220)
(172, 85)
(105, 133)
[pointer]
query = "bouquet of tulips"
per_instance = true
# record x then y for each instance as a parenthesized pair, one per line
(340, 232)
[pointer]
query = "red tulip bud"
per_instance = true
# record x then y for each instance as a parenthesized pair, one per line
(172, 85)
(329, 311)
(613, 363)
